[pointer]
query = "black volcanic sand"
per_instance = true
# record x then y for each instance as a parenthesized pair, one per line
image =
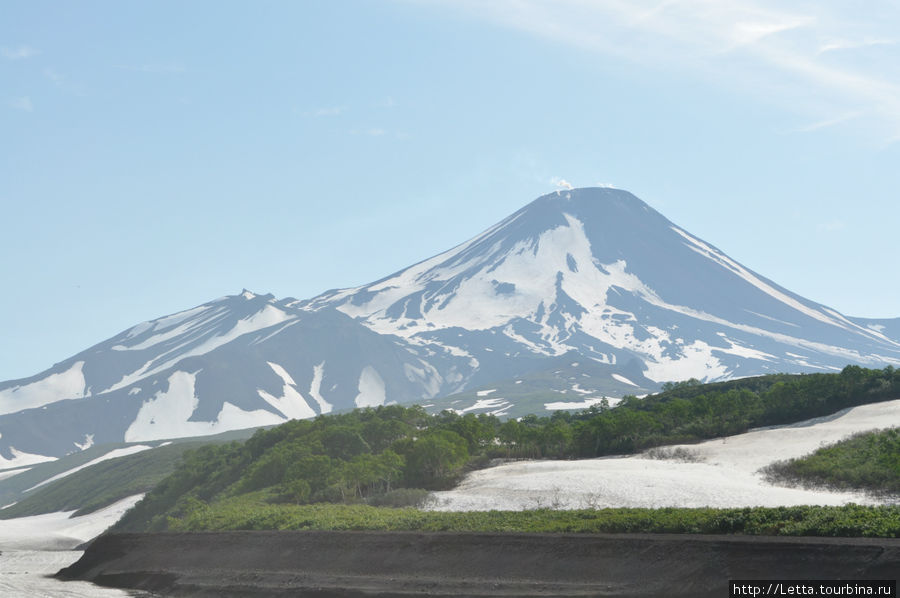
(357, 564)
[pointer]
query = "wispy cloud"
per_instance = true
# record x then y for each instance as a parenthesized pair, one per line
(781, 52)
(18, 53)
(22, 103)
(828, 122)
(831, 226)
(328, 111)
(64, 83)
(165, 69)
(845, 44)
(379, 132)
(54, 76)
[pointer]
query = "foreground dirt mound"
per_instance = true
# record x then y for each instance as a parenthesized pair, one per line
(321, 564)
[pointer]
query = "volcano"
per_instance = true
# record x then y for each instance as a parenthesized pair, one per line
(581, 293)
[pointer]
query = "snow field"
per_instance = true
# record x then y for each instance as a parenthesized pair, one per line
(55, 387)
(59, 531)
(723, 473)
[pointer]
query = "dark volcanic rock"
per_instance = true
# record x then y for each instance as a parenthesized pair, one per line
(467, 564)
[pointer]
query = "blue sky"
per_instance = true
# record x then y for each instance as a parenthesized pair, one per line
(157, 155)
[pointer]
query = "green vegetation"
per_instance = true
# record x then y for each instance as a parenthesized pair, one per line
(99, 485)
(254, 513)
(102, 484)
(369, 456)
(866, 461)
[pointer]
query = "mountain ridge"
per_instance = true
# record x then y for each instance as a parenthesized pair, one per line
(594, 273)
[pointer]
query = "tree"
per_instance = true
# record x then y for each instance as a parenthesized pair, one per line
(436, 458)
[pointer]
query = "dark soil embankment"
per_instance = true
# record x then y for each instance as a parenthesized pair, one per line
(407, 564)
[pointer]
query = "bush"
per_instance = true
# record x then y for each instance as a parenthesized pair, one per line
(402, 497)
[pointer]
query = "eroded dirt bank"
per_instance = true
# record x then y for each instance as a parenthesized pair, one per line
(360, 564)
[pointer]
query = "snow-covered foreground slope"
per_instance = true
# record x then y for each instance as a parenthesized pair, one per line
(60, 531)
(724, 474)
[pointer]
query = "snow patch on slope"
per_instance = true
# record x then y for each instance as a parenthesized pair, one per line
(585, 404)
(166, 415)
(22, 459)
(88, 442)
(60, 531)
(193, 327)
(113, 454)
(291, 403)
(371, 388)
(264, 318)
(55, 387)
(315, 388)
(11, 472)
(623, 379)
(498, 406)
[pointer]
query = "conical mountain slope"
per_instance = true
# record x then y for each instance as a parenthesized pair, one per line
(578, 294)
(600, 273)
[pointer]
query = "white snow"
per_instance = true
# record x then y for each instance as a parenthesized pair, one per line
(291, 403)
(584, 404)
(88, 442)
(371, 388)
(537, 266)
(22, 459)
(113, 454)
(166, 414)
(725, 476)
(138, 330)
(277, 330)
(623, 379)
(264, 318)
(179, 327)
(55, 387)
(497, 405)
(427, 375)
(315, 387)
(11, 472)
(177, 318)
(282, 373)
(742, 351)
(60, 531)
(484, 393)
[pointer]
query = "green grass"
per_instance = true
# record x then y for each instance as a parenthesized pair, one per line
(102, 484)
(866, 461)
(252, 512)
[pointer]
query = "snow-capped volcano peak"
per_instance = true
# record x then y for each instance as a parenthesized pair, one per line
(583, 291)
(600, 272)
